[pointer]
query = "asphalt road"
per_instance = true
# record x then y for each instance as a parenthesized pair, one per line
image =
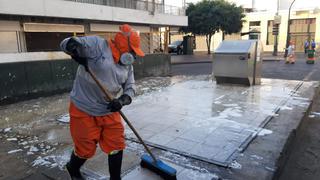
(270, 69)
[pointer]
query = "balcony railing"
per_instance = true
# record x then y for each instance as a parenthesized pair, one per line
(139, 5)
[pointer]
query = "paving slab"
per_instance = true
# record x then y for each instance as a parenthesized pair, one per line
(210, 122)
(182, 173)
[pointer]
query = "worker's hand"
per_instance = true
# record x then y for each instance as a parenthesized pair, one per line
(125, 99)
(82, 61)
(72, 45)
(72, 48)
(116, 104)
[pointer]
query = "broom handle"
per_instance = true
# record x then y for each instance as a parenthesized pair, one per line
(110, 97)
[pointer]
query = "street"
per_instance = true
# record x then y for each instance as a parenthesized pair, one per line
(270, 69)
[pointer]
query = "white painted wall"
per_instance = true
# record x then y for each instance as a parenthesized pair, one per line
(9, 36)
(32, 56)
(8, 42)
(94, 27)
(67, 9)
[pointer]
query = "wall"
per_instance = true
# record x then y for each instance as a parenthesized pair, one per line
(47, 36)
(264, 17)
(8, 42)
(25, 79)
(10, 37)
(62, 9)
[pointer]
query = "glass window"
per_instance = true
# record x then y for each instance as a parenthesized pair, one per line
(44, 41)
(254, 23)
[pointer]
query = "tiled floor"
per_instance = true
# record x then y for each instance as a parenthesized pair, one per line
(182, 173)
(206, 120)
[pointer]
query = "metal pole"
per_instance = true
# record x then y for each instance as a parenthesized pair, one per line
(153, 6)
(288, 31)
(275, 47)
(308, 31)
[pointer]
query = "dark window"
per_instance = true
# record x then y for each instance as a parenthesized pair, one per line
(44, 41)
(254, 23)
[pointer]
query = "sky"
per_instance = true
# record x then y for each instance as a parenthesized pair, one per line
(262, 4)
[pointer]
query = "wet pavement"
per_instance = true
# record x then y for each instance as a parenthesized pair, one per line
(191, 123)
(207, 121)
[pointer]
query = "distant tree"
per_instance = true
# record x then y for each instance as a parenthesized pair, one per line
(210, 16)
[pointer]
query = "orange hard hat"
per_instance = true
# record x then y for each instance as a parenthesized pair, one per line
(127, 34)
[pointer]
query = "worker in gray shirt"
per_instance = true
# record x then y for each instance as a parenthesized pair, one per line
(93, 119)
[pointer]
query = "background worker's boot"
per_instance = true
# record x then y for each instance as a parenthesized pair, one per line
(73, 167)
(115, 161)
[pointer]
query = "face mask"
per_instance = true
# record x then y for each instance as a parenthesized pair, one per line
(127, 59)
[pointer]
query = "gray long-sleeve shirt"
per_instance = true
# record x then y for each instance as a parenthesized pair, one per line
(118, 79)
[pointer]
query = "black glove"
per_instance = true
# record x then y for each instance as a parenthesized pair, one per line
(72, 45)
(82, 61)
(116, 104)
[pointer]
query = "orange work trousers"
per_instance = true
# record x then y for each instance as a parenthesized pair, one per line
(87, 131)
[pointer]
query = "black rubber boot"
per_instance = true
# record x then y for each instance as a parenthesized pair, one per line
(73, 167)
(115, 162)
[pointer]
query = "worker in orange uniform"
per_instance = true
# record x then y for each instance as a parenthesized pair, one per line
(93, 119)
(291, 54)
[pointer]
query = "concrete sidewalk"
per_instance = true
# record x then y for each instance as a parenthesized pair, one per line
(280, 57)
(205, 58)
(206, 131)
(191, 59)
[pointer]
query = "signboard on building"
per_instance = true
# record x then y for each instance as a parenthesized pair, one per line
(277, 19)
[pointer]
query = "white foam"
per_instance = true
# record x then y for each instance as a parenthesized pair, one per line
(235, 165)
(33, 149)
(7, 129)
(64, 118)
(14, 151)
(264, 132)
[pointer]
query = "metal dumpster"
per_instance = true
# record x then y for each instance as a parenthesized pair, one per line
(238, 62)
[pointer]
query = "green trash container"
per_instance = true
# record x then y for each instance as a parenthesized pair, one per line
(188, 43)
(311, 56)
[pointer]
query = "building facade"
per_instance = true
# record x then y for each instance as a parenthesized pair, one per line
(39, 25)
(305, 25)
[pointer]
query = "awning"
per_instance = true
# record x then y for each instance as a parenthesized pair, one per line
(115, 28)
(45, 27)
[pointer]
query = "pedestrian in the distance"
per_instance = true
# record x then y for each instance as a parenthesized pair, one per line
(306, 46)
(93, 119)
(313, 44)
(291, 53)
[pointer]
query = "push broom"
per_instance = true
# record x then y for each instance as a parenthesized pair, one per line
(147, 161)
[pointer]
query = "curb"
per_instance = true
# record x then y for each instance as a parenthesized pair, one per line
(273, 59)
(195, 62)
(292, 139)
(190, 62)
